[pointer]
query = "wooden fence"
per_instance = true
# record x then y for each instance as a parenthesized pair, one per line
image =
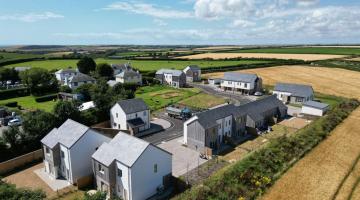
(21, 161)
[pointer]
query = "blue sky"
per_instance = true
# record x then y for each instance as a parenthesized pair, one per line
(179, 22)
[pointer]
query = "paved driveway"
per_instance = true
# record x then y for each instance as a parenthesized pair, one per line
(184, 159)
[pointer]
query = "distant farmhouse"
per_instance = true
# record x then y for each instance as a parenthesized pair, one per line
(208, 131)
(68, 150)
(171, 77)
(79, 79)
(132, 115)
(131, 168)
(314, 108)
(293, 93)
(241, 83)
(118, 68)
(193, 73)
(129, 76)
(65, 74)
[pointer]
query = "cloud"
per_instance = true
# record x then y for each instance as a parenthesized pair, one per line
(160, 22)
(306, 3)
(242, 23)
(148, 9)
(31, 17)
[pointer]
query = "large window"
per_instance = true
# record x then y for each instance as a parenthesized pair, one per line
(62, 154)
(119, 172)
(47, 150)
(155, 168)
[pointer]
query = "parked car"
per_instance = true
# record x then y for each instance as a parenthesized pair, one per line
(15, 122)
(258, 94)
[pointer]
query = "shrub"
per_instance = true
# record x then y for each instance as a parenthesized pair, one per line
(12, 104)
(13, 93)
(46, 98)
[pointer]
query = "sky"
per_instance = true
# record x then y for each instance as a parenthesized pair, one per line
(181, 22)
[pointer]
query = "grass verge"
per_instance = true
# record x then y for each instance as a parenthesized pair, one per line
(29, 102)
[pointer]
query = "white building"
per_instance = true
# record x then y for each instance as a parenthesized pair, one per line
(118, 68)
(131, 114)
(293, 93)
(129, 76)
(171, 77)
(241, 83)
(64, 74)
(68, 150)
(131, 168)
(314, 108)
(79, 79)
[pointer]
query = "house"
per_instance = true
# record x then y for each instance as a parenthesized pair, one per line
(68, 150)
(131, 168)
(171, 77)
(314, 108)
(209, 130)
(79, 79)
(241, 83)
(293, 93)
(118, 68)
(193, 73)
(131, 114)
(64, 74)
(129, 76)
(214, 81)
(69, 96)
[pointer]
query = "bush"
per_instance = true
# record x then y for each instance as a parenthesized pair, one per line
(250, 177)
(13, 93)
(10, 192)
(12, 104)
(46, 98)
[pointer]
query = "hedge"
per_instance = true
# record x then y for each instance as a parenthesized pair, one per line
(251, 176)
(12, 104)
(13, 93)
(46, 98)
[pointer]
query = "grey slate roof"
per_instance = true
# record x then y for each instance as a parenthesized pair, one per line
(295, 89)
(133, 105)
(66, 71)
(315, 104)
(123, 147)
(67, 134)
(174, 72)
(80, 77)
(121, 66)
(194, 67)
(128, 73)
(241, 77)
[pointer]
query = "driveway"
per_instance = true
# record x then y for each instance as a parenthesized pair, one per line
(237, 99)
(184, 159)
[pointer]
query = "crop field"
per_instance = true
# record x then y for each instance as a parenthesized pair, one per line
(334, 81)
(285, 56)
(330, 171)
(305, 50)
(144, 65)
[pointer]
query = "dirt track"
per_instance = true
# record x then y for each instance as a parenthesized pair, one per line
(306, 57)
(333, 81)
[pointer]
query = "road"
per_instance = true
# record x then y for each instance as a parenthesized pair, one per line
(175, 131)
(236, 99)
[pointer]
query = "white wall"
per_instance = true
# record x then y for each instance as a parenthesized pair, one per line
(82, 151)
(238, 85)
(168, 78)
(123, 181)
(66, 163)
(312, 111)
(122, 117)
(280, 95)
(143, 179)
(133, 79)
(186, 123)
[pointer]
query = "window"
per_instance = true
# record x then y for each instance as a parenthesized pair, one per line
(155, 168)
(144, 113)
(119, 172)
(62, 154)
(115, 124)
(135, 115)
(245, 85)
(117, 115)
(229, 82)
(101, 170)
(47, 150)
(75, 84)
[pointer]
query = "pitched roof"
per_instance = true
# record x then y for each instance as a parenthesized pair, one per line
(295, 89)
(133, 105)
(315, 104)
(128, 73)
(174, 72)
(242, 77)
(123, 148)
(66, 71)
(80, 77)
(121, 66)
(67, 134)
(193, 67)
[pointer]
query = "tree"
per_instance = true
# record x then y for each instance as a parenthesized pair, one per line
(7, 74)
(13, 137)
(64, 110)
(86, 65)
(65, 89)
(10, 192)
(39, 80)
(85, 90)
(104, 70)
(96, 196)
(101, 96)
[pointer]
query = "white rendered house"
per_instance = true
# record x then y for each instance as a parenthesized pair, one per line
(131, 114)
(64, 74)
(68, 150)
(131, 168)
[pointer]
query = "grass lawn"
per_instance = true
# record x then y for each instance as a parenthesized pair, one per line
(328, 99)
(29, 102)
(144, 65)
(304, 50)
(157, 97)
(203, 101)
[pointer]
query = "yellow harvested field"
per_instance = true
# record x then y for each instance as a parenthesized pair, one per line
(354, 59)
(335, 81)
(217, 48)
(320, 173)
(306, 57)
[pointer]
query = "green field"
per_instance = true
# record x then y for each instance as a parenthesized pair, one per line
(29, 102)
(203, 101)
(144, 65)
(5, 56)
(304, 50)
(157, 97)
